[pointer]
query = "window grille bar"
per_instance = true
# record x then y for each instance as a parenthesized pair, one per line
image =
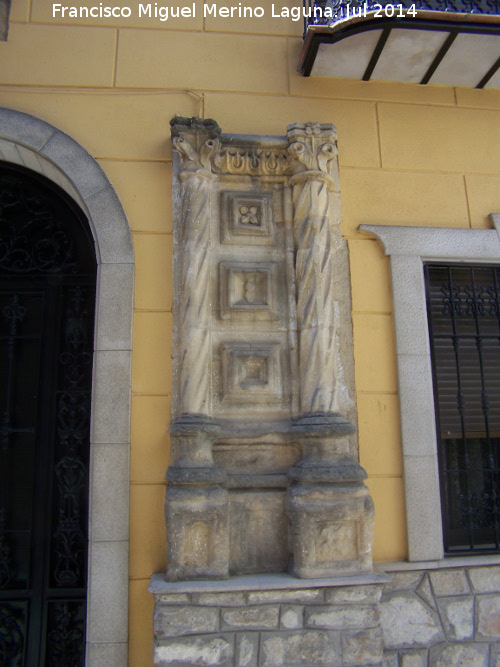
(476, 309)
(461, 405)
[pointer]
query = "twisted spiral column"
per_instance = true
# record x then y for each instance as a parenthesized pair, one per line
(193, 353)
(196, 501)
(329, 507)
(315, 301)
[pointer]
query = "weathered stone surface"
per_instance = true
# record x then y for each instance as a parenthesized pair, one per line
(488, 615)
(292, 617)
(174, 598)
(176, 621)
(460, 655)
(312, 148)
(425, 592)
(196, 505)
(408, 622)
(208, 651)
(353, 595)
(449, 582)
(405, 580)
(332, 529)
(258, 531)
(302, 596)
(495, 655)
(336, 617)
(485, 579)
(364, 647)
(250, 618)
(390, 660)
(414, 659)
(300, 649)
(219, 599)
(458, 617)
(256, 459)
(246, 651)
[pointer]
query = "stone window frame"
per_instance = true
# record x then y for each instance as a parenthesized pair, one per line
(408, 248)
(34, 144)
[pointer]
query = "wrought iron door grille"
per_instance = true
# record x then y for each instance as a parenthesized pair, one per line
(47, 303)
(463, 306)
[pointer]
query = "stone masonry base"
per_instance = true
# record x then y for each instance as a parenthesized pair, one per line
(440, 617)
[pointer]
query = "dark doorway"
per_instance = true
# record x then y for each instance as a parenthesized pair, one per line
(47, 301)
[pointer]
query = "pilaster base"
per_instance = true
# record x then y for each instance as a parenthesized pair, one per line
(196, 504)
(198, 535)
(329, 506)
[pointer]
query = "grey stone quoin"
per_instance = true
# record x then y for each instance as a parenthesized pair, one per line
(264, 474)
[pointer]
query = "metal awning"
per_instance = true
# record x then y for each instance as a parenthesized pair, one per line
(385, 43)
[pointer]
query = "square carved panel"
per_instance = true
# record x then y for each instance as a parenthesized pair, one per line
(248, 290)
(246, 218)
(251, 373)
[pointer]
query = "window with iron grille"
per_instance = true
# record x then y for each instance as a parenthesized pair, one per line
(463, 305)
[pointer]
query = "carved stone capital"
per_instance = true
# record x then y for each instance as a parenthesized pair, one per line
(313, 148)
(197, 142)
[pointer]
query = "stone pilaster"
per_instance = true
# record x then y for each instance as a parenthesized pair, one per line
(313, 147)
(196, 503)
(196, 142)
(328, 503)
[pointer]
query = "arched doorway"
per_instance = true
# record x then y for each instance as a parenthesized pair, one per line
(33, 143)
(47, 304)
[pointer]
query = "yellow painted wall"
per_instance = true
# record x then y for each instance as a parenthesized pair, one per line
(408, 155)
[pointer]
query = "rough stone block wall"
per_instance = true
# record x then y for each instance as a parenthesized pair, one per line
(442, 618)
(312, 627)
(445, 617)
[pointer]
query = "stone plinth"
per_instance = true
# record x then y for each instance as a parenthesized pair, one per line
(330, 509)
(196, 504)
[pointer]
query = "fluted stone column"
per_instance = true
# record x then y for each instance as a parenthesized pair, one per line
(196, 505)
(329, 506)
